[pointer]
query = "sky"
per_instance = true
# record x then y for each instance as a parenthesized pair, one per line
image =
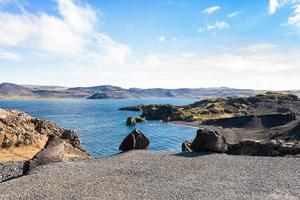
(160, 43)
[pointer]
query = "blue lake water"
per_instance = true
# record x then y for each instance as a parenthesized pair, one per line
(101, 125)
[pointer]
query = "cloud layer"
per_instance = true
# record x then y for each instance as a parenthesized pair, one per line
(73, 32)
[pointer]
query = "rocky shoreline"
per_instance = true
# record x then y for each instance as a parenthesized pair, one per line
(262, 125)
(24, 138)
(275, 145)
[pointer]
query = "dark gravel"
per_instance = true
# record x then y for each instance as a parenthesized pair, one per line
(148, 175)
(10, 170)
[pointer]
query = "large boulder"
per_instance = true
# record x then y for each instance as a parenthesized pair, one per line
(209, 139)
(135, 140)
(53, 151)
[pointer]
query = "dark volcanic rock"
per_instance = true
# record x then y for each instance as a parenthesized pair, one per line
(52, 152)
(253, 121)
(72, 137)
(160, 112)
(294, 133)
(135, 140)
(134, 108)
(209, 139)
(130, 121)
(260, 148)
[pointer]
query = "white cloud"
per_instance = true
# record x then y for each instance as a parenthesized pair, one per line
(162, 38)
(80, 19)
(218, 25)
(234, 14)
(295, 19)
(274, 5)
(260, 66)
(211, 10)
(74, 31)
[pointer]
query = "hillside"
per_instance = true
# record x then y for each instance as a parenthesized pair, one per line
(13, 90)
(10, 90)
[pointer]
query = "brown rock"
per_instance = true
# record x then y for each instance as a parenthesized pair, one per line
(135, 140)
(52, 152)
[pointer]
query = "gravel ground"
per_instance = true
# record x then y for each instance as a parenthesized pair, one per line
(149, 175)
(10, 170)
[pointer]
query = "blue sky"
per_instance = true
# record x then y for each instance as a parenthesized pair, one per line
(159, 43)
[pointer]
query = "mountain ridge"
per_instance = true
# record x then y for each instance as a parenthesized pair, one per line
(11, 90)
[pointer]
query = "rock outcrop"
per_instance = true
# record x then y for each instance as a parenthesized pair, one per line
(293, 134)
(135, 140)
(207, 139)
(160, 112)
(22, 136)
(212, 139)
(263, 148)
(253, 121)
(53, 151)
(268, 103)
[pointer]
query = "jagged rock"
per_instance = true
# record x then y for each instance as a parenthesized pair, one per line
(209, 139)
(261, 148)
(160, 112)
(28, 135)
(52, 152)
(6, 142)
(72, 137)
(186, 146)
(135, 140)
(131, 121)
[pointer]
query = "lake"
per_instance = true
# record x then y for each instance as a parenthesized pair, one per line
(102, 126)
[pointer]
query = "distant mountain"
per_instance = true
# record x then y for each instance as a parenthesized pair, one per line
(10, 90)
(96, 89)
(13, 90)
(42, 87)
